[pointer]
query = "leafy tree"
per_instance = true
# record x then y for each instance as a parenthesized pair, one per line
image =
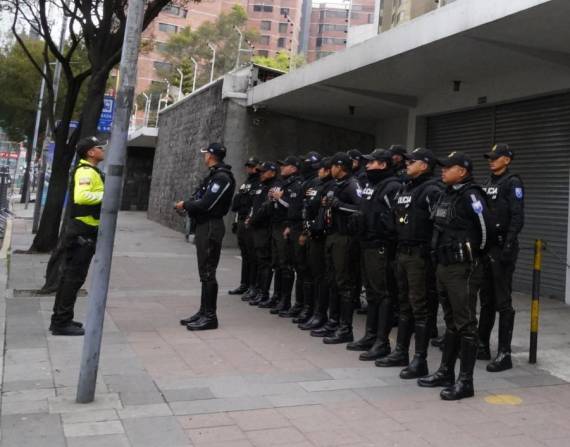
(98, 26)
(280, 61)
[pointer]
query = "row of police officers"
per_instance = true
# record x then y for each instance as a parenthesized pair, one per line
(320, 228)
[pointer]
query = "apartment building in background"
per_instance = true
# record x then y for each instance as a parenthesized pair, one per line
(171, 20)
(278, 23)
(396, 12)
(330, 23)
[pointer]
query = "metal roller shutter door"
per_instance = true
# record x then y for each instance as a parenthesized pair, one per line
(539, 132)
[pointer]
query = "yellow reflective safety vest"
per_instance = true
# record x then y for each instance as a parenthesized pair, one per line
(87, 194)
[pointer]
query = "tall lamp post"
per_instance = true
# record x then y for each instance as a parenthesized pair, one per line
(213, 48)
(181, 81)
(195, 73)
(239, 45)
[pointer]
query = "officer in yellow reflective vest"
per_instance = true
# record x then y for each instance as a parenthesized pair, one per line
(86, 192)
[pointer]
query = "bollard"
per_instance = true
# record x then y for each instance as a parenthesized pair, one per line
(535, 306)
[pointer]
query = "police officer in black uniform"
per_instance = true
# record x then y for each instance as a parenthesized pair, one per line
(259, 221)
(399, 160)
(459, 242)
(208, 210)
(358, 166)
(377, 239)
(241, 205)
(415, 272)
(309, 170)
(342, 255)
(283, 245)
(505, 196)
(313, 237)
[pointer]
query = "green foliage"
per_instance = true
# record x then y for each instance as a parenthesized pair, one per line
(280, 61)
(194, 43)
(20, 89)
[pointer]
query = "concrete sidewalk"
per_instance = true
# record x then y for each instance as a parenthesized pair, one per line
(257, 381)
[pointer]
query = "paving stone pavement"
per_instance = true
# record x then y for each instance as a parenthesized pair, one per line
(257, 381)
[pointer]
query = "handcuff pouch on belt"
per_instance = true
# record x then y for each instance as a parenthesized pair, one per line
(455, 253)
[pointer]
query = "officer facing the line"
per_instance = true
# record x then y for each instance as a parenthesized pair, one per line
(81, 234)
(241, 205)
(459, 243)
(208, 209)
(415, 203)
(505, 196)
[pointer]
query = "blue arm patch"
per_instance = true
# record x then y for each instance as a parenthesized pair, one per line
(519, 193)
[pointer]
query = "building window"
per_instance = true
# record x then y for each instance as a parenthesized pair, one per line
(265, 25)
(284, 11)
(167, 28)
(330, 27)
(281, 42)
(338, 14)
(162, 66)
(263, 53)
(283, 27)
(264, 40)
(160, 46)
(175, 11)
(263, 8)
(319, 42)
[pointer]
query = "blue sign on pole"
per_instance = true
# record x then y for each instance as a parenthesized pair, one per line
(106, 117)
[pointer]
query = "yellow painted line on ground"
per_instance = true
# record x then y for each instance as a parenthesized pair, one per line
(503, 399)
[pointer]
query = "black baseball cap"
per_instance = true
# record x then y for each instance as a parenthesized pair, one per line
(268, 166)
(500, 150)
(291, 160)
(397, 149)
(312, 157)
(456, 159)
(379, 155)
(217, 149)
(88, 143)
(355, 154)
(341, 159)
(422, 154)
(252, 162)
(325, 163)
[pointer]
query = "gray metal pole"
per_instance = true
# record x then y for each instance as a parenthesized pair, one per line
(111, 201)
(36, 135)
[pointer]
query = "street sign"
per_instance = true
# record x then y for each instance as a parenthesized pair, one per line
(106, 117)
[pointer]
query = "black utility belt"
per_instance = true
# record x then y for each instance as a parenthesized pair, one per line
(411, 249)
(456, 253)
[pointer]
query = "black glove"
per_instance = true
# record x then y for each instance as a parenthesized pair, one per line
(508, 253)
(234, 227)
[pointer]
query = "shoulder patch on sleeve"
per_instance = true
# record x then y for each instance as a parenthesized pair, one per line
(215, 187)
(476, 204)
(84, 180)
(519, 193)
(359, 191)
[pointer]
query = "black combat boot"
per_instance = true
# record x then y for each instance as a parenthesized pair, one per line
(286, 281)
(319, 317)
(400, 355)
(68, 328)
(486, 323)
(264, 280)
(197, 315)
(371, 328)
(464, 386)
(308, 306)
(445, 375)
(239, 290)
(418, 367)
(381, 346)
(250, 294)
(208, 320)
(331, 325)
(296, 309)
(503, 360)
(274, 299)
(343, 334)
